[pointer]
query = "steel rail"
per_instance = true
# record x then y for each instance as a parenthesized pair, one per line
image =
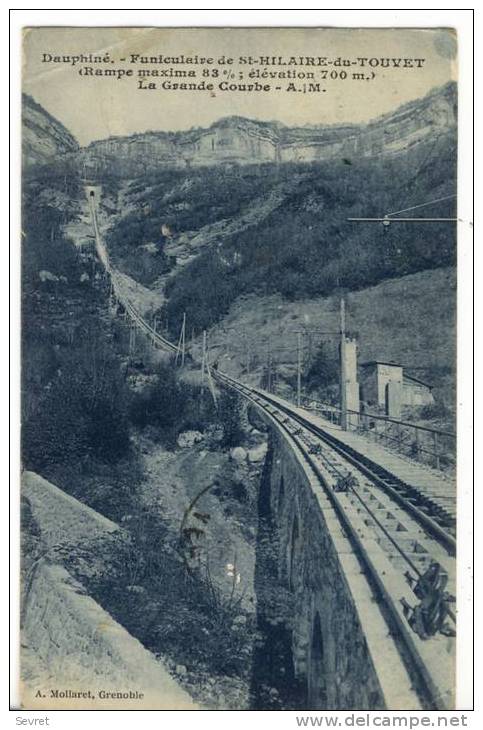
(385, 480)
(123, 300)
(392, 613)
(364, 464)
(398, 625)
(256, 397)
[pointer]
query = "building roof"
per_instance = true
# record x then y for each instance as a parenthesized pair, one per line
(417, 380)
(370, 363)
(379, 362)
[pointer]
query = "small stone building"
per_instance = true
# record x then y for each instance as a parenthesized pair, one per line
(416, 392)
(386, 385)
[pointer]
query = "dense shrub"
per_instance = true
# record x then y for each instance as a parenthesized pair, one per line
(82, 413)
(323, 370)
(168, 406)
(143, 583)
(230, 414)
(75, 427)
(160, 406)
(434, 411)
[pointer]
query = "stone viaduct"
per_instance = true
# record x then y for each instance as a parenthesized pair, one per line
(327, 643)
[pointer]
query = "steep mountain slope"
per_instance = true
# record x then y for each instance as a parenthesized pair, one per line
(305, 246)
(207, 237)
(44, 138)
(409, 320)
(237, 140)
(166, 222)
(245, 141)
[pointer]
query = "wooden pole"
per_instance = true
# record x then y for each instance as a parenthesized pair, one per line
(210, 383)
(247, 353)
(269, 367)
(183, 343)
(343, 375)
(299, 367)
(155, 329)
(132, 341)
(203, 360)
(436, 451)
(205, 368)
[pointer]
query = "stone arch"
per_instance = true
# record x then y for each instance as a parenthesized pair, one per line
(316, 675)
(293, 550)
(281, 495)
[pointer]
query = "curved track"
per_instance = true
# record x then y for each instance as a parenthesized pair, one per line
(374, 506)
(439, 523)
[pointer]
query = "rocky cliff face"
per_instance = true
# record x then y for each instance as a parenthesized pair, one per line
(245, 141)
(43, 137)
(237, 140)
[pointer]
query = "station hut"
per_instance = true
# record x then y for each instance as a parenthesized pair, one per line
(387, 386)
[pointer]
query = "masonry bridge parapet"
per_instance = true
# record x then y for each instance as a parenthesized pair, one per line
(334, 632)
(339, 650)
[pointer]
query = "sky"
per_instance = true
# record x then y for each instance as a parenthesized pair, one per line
(98, 107)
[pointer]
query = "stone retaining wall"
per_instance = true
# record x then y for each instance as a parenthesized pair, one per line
(69, 642)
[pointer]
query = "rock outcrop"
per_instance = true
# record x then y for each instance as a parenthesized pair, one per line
(69, 642)
(236, 140)
(43, 136)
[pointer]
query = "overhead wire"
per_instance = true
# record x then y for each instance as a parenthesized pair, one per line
(421, 205)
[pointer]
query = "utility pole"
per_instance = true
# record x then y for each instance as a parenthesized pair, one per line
(247, 353)
(132, 341)
(203, 360)
(349, 385)
(155, 331)
(205, 368)
(269, 366)
(111, 293)
(182, 341)
(299, 367)
(183, 344)
(211, 384)
(343, 373)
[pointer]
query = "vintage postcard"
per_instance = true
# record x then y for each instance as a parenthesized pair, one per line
(238, 368)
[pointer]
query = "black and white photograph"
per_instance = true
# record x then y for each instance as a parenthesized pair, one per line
(238, 369)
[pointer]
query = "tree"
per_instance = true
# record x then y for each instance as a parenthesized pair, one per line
(230, 413)
(323, 370)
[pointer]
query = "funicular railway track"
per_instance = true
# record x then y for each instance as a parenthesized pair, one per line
(439, 523)
(375, 508)
(431, 517)
(368, 511)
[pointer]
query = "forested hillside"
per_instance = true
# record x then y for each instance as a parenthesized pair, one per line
(302, 247)
(308, 248)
